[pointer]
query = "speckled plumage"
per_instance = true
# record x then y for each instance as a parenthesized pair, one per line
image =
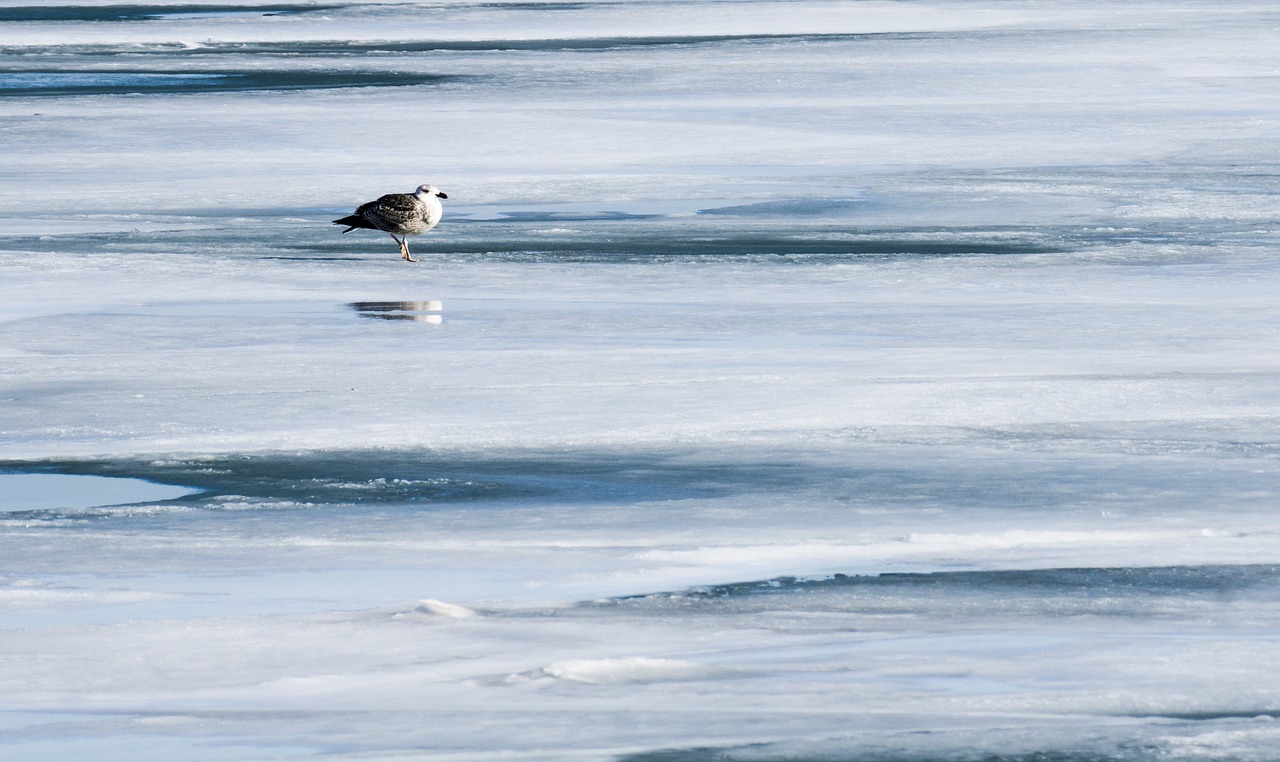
(400, 215)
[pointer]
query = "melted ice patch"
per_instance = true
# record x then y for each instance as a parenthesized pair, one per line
(42, 492)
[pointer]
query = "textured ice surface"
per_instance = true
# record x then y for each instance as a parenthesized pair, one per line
(804, 381)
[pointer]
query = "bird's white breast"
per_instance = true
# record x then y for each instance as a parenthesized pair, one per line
(433, 212)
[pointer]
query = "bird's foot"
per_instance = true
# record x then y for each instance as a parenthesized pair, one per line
(408, 256)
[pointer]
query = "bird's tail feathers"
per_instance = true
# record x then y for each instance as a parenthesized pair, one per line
(352, 222)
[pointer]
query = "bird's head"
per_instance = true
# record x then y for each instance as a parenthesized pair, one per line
(430, 190)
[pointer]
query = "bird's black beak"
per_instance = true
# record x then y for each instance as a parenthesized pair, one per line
(441, 194)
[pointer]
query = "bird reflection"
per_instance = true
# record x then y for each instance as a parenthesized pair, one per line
(418, 312)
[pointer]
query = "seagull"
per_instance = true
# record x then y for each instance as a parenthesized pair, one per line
(400, 214)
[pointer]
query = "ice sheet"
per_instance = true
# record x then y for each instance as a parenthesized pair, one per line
(794, 380)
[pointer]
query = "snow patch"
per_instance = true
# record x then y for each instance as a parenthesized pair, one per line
(637, 669)
(432, 607)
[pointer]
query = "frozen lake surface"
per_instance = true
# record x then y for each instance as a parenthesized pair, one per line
(786, 381)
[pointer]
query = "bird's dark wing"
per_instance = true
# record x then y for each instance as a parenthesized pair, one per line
(391, 212)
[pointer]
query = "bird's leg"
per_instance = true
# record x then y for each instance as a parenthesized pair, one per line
(403, 243)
